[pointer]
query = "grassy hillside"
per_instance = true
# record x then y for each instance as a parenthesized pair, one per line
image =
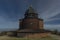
(13, 38)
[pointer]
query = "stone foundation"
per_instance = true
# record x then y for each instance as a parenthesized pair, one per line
(37, 35)
(32, 35)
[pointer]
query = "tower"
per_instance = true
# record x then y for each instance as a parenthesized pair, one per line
(31, 13)
(31, 20)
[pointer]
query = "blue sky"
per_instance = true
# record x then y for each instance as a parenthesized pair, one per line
(13, 10)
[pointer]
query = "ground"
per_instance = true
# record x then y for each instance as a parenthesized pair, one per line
(51, 37)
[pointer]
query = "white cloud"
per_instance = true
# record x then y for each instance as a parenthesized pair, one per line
(52, 27)
(6, 23)
(49, 10)
(52, 19)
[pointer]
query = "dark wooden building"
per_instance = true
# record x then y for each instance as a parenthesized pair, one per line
(31, 20)
(30, 23)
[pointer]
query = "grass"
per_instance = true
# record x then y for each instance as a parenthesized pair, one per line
(13, 38)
